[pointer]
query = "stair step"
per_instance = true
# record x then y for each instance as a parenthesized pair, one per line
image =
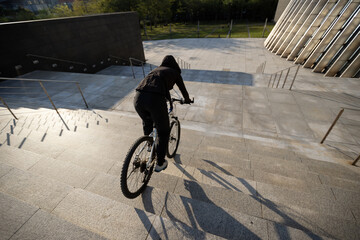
(14, 214)
(35, 190)
(23, 221)
(112, 219)
(112, 188)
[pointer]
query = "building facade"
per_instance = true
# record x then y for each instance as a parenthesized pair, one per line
(319, 34)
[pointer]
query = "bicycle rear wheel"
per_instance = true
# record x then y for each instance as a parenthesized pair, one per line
(134, 174)
(174, 138)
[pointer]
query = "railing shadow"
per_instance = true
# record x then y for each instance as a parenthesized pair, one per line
(282, 232)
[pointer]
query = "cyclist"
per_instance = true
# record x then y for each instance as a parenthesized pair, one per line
(150, 103)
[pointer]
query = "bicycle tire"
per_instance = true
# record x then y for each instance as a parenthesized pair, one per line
(174, 138)
(145, 176)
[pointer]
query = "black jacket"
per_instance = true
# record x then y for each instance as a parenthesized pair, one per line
(163, 78)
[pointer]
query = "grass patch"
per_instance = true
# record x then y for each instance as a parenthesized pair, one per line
(178, 30)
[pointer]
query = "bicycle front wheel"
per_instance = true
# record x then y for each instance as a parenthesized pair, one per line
(174, 138)
(134, 174)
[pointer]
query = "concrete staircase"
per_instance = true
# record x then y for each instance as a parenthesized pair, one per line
(249, 165)
(56, 183)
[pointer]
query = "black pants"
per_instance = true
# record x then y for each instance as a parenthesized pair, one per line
(153, 111)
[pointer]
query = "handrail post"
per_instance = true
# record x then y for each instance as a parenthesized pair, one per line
(332, 125)
(48, 96)
(294, 77)
(356, 160)
(3, 101)
(286, 77)
(53, 104)
(132, 68)
(274, 80)
(270, 80)
(142, 65)
(279, 79)
(82, 95)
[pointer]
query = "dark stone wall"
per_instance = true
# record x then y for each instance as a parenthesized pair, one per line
(89, 40)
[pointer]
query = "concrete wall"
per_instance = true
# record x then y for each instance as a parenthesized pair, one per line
(280, 8)
(89, 40)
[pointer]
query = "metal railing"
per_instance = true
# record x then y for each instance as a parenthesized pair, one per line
(182, 64)
(41, 81)
(54, 65)
(131, 60)
(139, 61)
(8, 108)
(274, 77)
(333, 124)
(123, 60)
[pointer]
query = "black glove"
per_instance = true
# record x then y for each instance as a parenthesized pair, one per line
(188, 101)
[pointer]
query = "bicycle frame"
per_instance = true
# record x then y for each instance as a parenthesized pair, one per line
(154, 135)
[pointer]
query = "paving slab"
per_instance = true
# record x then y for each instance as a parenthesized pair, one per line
(94, 161)
(19, 158)
(310, 221)
(4, 169)
(219, 167)
(281, 97)
(288, 182)
(255, 94)
(228, 118)
(223, 180)
(278, 231)
(259, 122)
(340, 183)
(293, 126)
(165, 229)
(238, 161)
(35, 190)
(220, 197)
(65, 172)
(13, 214)
(312, 201)
(213, 219)
(256, 106)
(106, 217)
(43, 225)
(349, 199)
(300, 175)
(151, 200)
(334, 170)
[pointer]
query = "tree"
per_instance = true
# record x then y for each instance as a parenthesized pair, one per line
(61, 10)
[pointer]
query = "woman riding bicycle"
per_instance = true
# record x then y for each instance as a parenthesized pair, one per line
(150, 103)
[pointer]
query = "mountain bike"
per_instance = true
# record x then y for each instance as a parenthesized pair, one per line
(140, 161)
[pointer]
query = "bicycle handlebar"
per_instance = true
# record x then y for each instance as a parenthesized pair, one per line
(182, 101)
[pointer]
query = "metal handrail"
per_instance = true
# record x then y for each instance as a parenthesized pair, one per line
(182, 64)
(132, 69)
(54, 65)
(123, 59)
(3, 101)
(333, 124)
(142, 65)
(56, 59)
(40, 81)
(287, 74)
